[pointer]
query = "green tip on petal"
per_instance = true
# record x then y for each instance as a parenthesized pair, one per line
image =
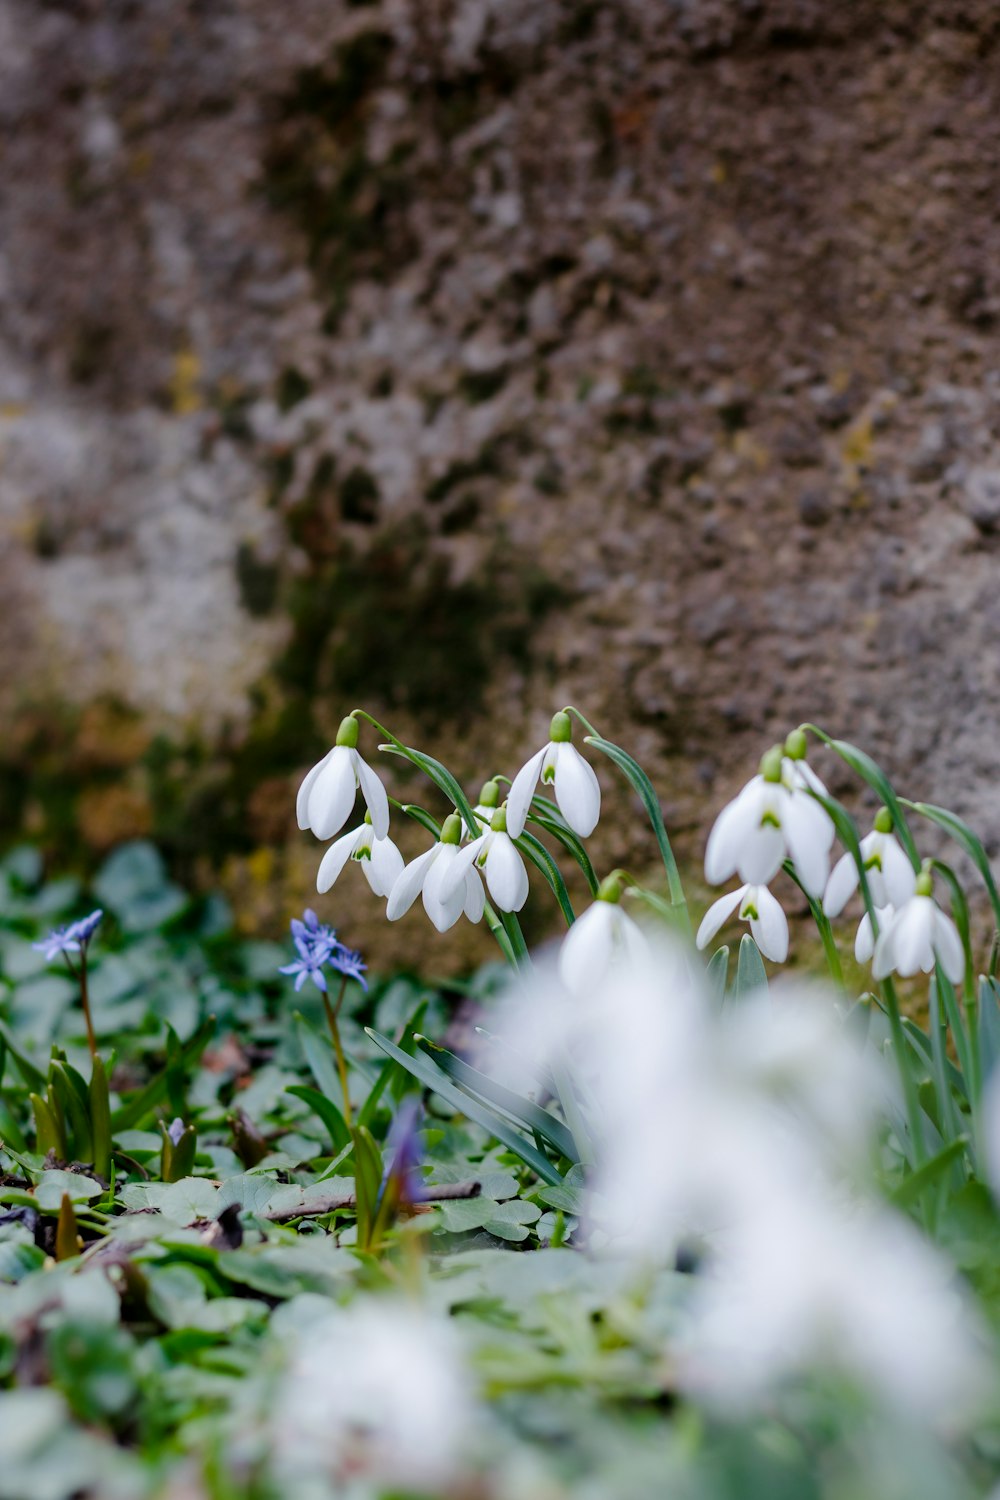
(770, 764)
(498, 822)
(924, 885)
(796, 745)
(347, 734)
(451, 829)
(883, 820)
(490, 794)
(561, 728)
(368, 817)
(610, 888)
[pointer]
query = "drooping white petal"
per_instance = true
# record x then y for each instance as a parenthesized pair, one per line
(336, 858)
(761, 855)
(770, 927)
(578, 792)
(408, 885)
(629, 938)
(864, 939)
(898, 875)
(586, 948)
(948, 947)
(800, 774)
(383, 867)
(374, 794)
(841, 886)
(521, 792)
(806, 828)
(912, 934)
(737, 822)
(505, 874)
(475, 896)
(332, 795)
(455, 871)
(718, 913)
(443, 911)
(308, 782)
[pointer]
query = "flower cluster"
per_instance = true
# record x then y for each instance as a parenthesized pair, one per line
(74, 938)
(319, 949)
(781, 815)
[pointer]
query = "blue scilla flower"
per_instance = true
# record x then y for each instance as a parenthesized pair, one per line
(73, 938)
(318, 949)
(348, 962)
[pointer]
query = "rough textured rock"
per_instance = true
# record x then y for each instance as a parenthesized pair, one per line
(472, 356)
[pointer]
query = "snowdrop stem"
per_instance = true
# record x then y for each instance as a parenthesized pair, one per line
(515, 937)
(824, 928)
(903, 1061)
(499, 931)
(641, 784)
(332, 1012)
(80, 975)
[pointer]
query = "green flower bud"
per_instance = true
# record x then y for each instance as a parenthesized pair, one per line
(610, 888)
(498, 822)
(883, 820)
(561, 728)
(368, 817)
(924, 885)
(490, 794)
(770, 764)
(796, 745)
(451, 829)
(347, 734)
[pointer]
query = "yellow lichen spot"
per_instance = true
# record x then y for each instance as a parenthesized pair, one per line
(185, 396)
(718, 173)
(260, 866)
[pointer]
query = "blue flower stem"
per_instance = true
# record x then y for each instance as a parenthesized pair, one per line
(81, 977)
(332, 1012)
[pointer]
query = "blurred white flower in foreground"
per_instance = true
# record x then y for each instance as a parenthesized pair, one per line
(578, 792)
(916, 936)
(378, 1390)
(890, 875)
(426, 877)
(744, 1133)
(773, 816)
(327, 793)
(768, 924)
(380, 860)
(602, 938)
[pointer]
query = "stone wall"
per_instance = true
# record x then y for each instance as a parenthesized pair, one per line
(466, 357)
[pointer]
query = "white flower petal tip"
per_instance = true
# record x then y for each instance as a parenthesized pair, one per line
(327, 794)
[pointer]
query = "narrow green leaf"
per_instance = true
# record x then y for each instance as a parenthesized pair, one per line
(750, 972)
(717, 974)
(100, 1118)
(643, 787)
(523, 1111)
(318, 1052)
(75, 1115)
(871, 772)
(989, 1027)
(963, 835)
(551, 821)
(913, 1186)
(542, 860)
(442, 779)
(421, 816)
(325, 1111)
(432, 1077)
(48, 1134)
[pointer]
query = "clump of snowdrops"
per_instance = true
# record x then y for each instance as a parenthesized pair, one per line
(798, 1145)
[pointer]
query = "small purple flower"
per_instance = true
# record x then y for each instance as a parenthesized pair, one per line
(318, 948)
(175, 1130)
(349, 963)
(73, 938)
(403, 1141)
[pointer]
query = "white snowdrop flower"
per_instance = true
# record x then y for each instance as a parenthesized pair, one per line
(327, 794)
(426, 875)
(380, 860)
(864, 941)
(917, 935)
(574, 781)
(772, 816)
(890, 875)
(495, 855)
(599, 940)
(756, 905)
(378, 1391)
